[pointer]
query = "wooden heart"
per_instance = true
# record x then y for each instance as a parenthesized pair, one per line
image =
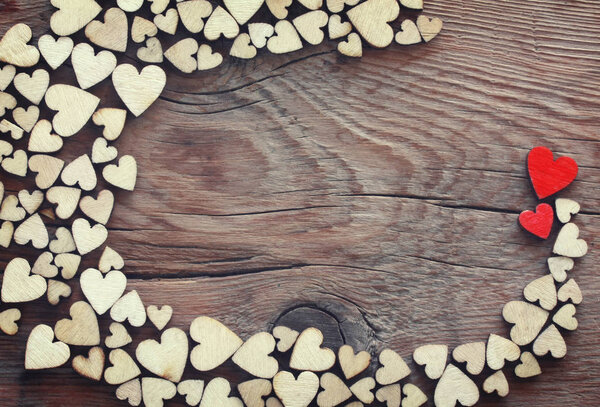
(352, 47)
(98, 209)
(309, 26)
(393, 368)
(130, 5)
(168, 22)
(152, 52)
(41, 139)
(31, 201)
(101, 152)
(500, 349)
(138, 90)
(7, 102)
(65, 198)
(7, 73)
(497, 383)
(352, 364)
(220, 22)
(308, 354)
(539, 222)
(14, 49)
(564, 317)
(166, 359)
(429, 28)
(253, 391)
(414, 4)
(10, 211)
(528, 319)
(82, 329)
(253, 356)
(565, 208)
(142, 28)
(71, 117)
(32, 230)
(559, 266)
(119, 336)
(529, 366)
(48, 169)
(123, 175)
(207, 59)
(312, 4)
(68, 264)
(183, 55)
(217, 392)
(91, 69)
(159, 317)
(336, 28)
(72, 15)
(550, 340)
(80, 171)
(112, 34)
(6, 233)
(55, 52)
(112, 119)
(130, 391)
(92, 366)
(110, 260)
(389, 394)
(285, 40)
(63, 241)
(155, 391)
(362, 389)
(216, 343)
(242, 48)
(33, 87)
(123, 368)
(542, 289)
(279, 8)
(570, 291)
(371, 19)
(286, 337)
(296, 392)
(102, 291)
(567, 243)
(433, 357)
(8, 321)
(17, 165)
(192, 390)
(26, 119)
(335, 6)
(413, 396)
(57, 290)
(193, 14)
(159, 6)
(243, 10)
(455, 386)
(334, 391)
(129, 307)
(548, 176)
(88, 238)
(43, 267)
(259, 33)
(16, 133)
(41, 352)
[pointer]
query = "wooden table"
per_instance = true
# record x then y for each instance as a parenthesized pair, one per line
(376, 199)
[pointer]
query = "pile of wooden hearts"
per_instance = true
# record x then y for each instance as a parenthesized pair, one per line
(68, 191)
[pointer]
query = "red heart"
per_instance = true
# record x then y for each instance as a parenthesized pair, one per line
(549, 176)
(539, 222)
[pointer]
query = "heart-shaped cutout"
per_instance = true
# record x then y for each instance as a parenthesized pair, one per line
(18, 285)
(129, 307)
(567, 243)
(92, 366)
(371, 19)
(82, 329)
(123, 368)
(217, 392)
(42, 352)
(433, 357)
(138, 90)
(393, 368)
(528, 320)
(72, 16)
(548, 176)
(539, 222)
(455, 386)
(253, 356)
(296, 392)
(14, 49)
(102, 291)
(500, 349)
(166, 359)
(353, 364)
(308, 354)
(334, 391)
(216, 343)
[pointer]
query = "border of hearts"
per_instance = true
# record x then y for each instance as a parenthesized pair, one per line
(153, 391)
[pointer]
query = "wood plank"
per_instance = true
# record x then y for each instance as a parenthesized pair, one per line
(369, 192)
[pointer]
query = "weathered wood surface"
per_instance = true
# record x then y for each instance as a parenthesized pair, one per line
(384, 192)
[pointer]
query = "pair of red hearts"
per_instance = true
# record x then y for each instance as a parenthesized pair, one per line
(547, 177)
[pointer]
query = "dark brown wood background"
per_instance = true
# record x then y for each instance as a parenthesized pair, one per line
(375, 198)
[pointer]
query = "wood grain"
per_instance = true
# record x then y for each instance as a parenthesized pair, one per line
(378, 196)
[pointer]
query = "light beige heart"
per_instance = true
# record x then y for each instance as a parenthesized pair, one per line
(363, 390)
(166, 359)
(207, 59)
(110, 260)
(193, 14)
(98, 209)
(8, 321)
(66, 199)
(10, 209)
(253, 391)
(353, 364)
(259, 33)
(123, 175)
(18, 285)
(32, 230)
(500, 349)
(242, 48)
(138, 90)
(55, 52)
(409, 35)
(118, 337)
(334, 391)
(152, 52)
(26, 119)
(393, 368)
(74, 106)
(217, 392)
(57, 290)
(7, 73)
(455, 386)
(253, 356)
(542, 290)
(92, 366)
(68, 263)
(82, 329)
(43, 266)
(88, 238)
(14, 49)
(91, 69)
(72, 15)
(48, 169)
(286, 337)
(168, 22)
(129, 307)
(113, 33)
(42, 140)
(142, 28)
(183, 55)
(156, 391)
(309, 26)
(308, 354)
(243, 10)
(296, 392)
(497, 383)
(220, 23)
(371, 19)
(130, 391)
(123, 368)
(42, 352)
(567, 243)
(352, 47)
(33, 87)
(550, 341)
(192, 391)
(102, 152)
(429, 28)
(285, 40)
(112, 119)
(559, 266)
(473, 354)
(17, 164)
(216, 343)
(160, 317)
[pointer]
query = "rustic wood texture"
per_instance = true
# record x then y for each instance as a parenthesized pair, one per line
(375, 198)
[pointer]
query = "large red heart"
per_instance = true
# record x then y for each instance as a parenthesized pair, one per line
(539, 222)
(549, 176)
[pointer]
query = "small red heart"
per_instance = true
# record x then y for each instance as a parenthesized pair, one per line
(549, 176)
(539, 222)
